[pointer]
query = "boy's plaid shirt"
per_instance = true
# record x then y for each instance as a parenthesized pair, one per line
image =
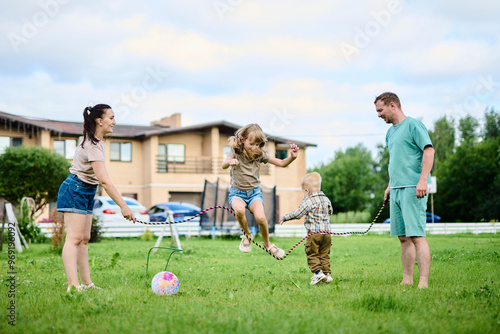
(317, 209)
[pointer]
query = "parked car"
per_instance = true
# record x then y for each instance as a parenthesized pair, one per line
(180, 211)
(437, 219)
(107, 211)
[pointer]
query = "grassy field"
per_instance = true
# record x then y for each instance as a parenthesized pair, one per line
(225, 291)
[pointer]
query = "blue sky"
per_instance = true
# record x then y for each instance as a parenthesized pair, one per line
(306, 70)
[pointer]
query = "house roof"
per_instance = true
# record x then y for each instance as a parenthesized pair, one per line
(71, 129)
(225, 128)
(68, 128)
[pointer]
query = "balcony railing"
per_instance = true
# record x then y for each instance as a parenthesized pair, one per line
(196, 165)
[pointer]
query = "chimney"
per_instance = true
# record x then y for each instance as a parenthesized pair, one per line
(172, 121)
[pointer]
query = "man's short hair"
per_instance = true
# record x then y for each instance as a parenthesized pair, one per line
(387, 98)
(311, 182)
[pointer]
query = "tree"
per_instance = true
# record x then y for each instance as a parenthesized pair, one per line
(466, 181)
(492, 124)
(348, 179)
(489, 209)
(34, 172)
(381, 182)
(443, 139)
(467, 127)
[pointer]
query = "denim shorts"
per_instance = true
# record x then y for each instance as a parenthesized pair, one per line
(76, 196)
(246, 196)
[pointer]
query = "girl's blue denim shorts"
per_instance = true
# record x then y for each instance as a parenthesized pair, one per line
(76, 196)
(246, 196)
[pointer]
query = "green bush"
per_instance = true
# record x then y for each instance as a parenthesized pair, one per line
(34, 172)
(95, 231)
(30, 232)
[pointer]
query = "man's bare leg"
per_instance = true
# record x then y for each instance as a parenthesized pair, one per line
(423, 260)
(408, 254)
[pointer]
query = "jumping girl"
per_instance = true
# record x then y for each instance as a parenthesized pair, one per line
(245, 158)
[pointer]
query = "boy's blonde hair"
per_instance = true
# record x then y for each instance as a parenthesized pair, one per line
(311, 182)
(254, 133)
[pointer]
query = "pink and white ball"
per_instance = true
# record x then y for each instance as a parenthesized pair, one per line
(165, 284)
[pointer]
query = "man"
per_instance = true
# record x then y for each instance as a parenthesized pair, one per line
(410, 163)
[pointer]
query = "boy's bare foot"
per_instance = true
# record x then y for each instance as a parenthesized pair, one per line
(406, 282)
(423, 285)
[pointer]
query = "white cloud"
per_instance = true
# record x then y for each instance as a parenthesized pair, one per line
(194, 52)
(449, 59)
(272, 14)
(273, 62)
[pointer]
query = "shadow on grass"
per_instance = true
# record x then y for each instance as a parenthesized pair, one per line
(381, 303)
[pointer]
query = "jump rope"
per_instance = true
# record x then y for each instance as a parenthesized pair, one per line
(259, 245)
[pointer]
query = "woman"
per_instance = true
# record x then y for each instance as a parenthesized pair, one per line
(76, 194)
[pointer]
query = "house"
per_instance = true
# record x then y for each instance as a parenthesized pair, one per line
(164, 161)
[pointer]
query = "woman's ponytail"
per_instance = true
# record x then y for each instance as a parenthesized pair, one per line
(90, 114)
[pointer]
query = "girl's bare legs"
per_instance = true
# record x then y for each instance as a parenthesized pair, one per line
(257, 209)
(239, 210)
(76, 241)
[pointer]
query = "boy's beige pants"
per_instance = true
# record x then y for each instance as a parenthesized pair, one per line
(318, 252)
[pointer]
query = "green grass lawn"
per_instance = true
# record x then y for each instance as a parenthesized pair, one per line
(225, 291)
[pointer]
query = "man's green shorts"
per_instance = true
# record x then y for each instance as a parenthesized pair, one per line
(407, 212)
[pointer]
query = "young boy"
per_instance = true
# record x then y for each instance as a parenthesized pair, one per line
(317, 209)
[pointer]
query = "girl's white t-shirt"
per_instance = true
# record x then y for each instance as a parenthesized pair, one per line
(82, 166)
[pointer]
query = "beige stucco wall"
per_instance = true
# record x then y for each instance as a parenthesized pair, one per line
(156, 187)
(29, 138)
(140, 176)
(44, 139)
(190, 141)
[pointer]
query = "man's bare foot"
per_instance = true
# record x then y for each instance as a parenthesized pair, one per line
(406, 282)
(423, 285)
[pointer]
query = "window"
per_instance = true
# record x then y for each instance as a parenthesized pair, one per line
(128, 201)
(156, 209)
(226, 151)
(120, 152)
(162, 160)
(97, 204)
(174, 152)
(281, 154)
(131, 195)
(65, 147)
(9, 141)
(16, 141)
